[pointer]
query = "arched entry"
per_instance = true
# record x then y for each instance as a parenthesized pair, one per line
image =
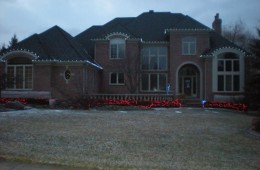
(189, 81)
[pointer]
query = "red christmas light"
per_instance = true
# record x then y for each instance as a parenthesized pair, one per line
(236, 106)
(142, 104)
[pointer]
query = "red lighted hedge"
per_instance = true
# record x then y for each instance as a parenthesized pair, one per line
(228, 105)
(25, 101)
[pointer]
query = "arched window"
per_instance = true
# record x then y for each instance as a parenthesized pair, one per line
(228, 72)
(19, 73)
(117, 48)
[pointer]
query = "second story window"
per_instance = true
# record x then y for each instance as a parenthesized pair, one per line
(189, 46)
(154, 58)
(117, 48)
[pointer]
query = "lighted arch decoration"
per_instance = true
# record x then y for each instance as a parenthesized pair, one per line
(117, 35)
(11, 54)
(228, 50)
(177, 75)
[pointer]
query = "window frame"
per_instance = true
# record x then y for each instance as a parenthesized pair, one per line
(163, 89)
(153, 55)
(24, 81)
(189, 42)
(117, 78)
(228, 73)
(118, 43)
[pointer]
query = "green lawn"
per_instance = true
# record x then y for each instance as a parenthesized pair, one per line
(145, 139)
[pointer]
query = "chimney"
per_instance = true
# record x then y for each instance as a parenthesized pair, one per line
(216, 25)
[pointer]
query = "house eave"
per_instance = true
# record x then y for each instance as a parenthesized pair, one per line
(185, 30)
(210, 54)
(94, 65)
(155, 42)
(34, 55)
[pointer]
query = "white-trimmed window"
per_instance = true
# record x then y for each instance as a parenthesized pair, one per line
(19, 77)
(153, 82)
(19, 73)
(117, 79)
(117, 48)
(228, 73)
(189, 45)
(154, 58)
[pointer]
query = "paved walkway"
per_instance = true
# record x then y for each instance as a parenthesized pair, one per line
(11, 165)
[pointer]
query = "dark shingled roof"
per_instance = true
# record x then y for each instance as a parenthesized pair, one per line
(217, 41)
(151, 26)
(98, 32)
(54, 44)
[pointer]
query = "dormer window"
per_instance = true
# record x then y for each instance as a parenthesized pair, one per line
(117, 48)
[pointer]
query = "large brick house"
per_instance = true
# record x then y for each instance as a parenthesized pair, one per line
(140, 54)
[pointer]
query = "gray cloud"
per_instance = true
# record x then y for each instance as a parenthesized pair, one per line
(26, 17)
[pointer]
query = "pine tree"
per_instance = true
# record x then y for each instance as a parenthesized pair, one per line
(3, 49)
(252, 87)
(255, 46)
(13, 41)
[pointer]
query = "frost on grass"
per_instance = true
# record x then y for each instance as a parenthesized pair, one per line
(159, 139)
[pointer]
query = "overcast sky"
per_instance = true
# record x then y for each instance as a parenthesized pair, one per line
(26, 17)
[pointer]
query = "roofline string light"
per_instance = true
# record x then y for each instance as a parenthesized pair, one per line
(36, 58)
(221, 48)
(20, 50)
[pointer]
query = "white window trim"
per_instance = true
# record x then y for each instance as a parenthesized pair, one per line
(200, 74)
(117, 79)
(19, 65)
(149, 82)
(215, 72)
(117, 42)
(158, 55)
(189, 43)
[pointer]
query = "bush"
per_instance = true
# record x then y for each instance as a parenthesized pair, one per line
(14, 105)
(256, 124)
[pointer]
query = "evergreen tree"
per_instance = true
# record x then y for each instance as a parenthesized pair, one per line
(252, 88)
(13, 41)
(3, 49)
(255, 46)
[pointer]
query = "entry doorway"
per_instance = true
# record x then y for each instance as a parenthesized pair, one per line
(189, 81)
(189, 86)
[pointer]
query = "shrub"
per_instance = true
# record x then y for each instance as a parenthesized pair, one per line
(256, 124)
(14, 105)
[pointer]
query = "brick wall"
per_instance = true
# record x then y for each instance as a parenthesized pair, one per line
(41, 77)
(127, 64)
(84, 80)
(177, 59)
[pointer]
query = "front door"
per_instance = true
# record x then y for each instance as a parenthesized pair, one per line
(189, 85)
(187, 82)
